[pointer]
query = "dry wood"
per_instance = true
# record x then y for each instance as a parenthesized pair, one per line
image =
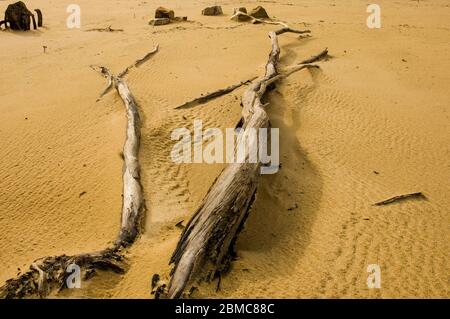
(419, 195)
(133, 201)
(138, 62)
(206, 244)
(212, 95)
(315, 58)
(49, 273)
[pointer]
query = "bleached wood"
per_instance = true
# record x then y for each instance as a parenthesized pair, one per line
(48, 273)
(205, 246)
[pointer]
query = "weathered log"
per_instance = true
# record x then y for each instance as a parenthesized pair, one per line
(49, 273)
(206, 244)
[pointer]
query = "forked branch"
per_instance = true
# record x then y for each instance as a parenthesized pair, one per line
(50, 273)
(205, 246)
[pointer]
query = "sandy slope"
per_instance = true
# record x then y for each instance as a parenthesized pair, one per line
(381, 104)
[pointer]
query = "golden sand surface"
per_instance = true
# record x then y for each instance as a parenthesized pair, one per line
(374, 123)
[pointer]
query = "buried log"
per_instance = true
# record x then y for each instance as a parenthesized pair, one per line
(50, 273)
(206, 244)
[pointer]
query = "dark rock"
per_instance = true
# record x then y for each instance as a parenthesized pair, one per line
(162, 12)
(259, 13)
(212, 11)
(19, 17)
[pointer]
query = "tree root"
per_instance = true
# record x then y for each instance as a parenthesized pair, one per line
(49, 273)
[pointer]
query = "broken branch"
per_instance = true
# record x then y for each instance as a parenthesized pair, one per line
(138, 62)
(209, 96)
(418, 195)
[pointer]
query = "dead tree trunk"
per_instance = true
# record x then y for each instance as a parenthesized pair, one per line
(50, 272)
(206, 243)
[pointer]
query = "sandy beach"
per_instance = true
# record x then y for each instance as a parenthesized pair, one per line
(373, 123)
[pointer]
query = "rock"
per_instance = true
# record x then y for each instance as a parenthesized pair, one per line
(160, 21)
(242, 9)
(19, 17)
(259, 13)
(212, 11)
(162, 12)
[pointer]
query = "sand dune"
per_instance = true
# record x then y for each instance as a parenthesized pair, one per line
(372, 123)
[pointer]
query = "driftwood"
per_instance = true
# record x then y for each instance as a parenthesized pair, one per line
(212, 95)
(206, 244)
(315, 58)
(138, 62)
(419, 195)
(50, 273)
(209, 96)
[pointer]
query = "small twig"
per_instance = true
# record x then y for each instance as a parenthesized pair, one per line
(209, 96)
(316, 58)
(400, 197)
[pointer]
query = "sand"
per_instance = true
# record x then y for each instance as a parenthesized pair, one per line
(374, 123)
